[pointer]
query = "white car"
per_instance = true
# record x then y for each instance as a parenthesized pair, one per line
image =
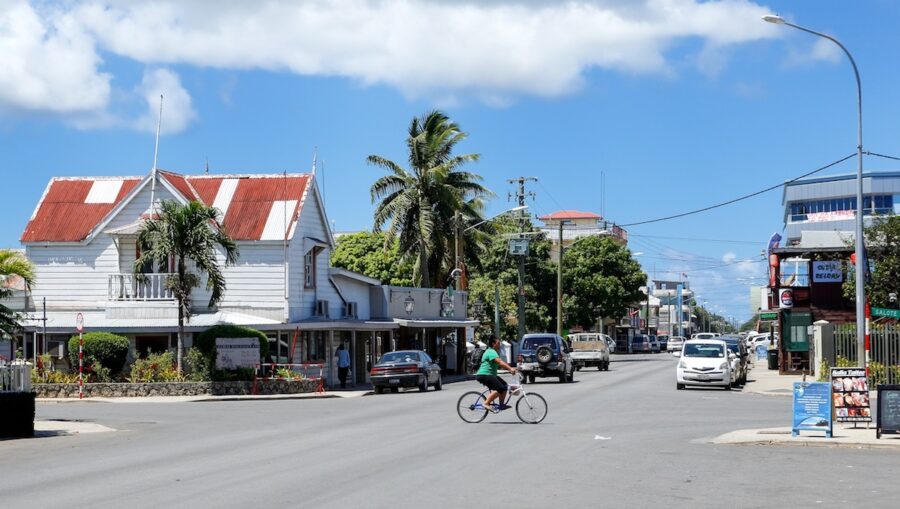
(705, 335)
(704, 362)
(675, 344)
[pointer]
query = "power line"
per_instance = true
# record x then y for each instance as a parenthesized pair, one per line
(881, 155)
(741, 198)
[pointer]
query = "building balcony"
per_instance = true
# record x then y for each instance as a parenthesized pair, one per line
(146, 287)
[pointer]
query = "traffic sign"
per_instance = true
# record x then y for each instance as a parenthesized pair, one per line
(890, 313)
(79, 322)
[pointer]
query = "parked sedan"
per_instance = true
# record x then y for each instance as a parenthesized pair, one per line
(675, 343)
(739, 357)
(654, 344)
(405, 368)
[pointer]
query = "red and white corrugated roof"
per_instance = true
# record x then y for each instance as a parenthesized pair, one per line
(254, 207)
(569, 214)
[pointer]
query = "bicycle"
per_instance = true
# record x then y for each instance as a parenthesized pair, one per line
(530, 407)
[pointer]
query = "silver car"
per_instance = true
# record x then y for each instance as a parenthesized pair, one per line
(675, 343)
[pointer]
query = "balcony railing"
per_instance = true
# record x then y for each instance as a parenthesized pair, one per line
(128, 287)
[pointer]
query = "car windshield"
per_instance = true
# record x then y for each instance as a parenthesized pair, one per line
(534, 343)
(399, 357)
(703, 350)
(734, 346)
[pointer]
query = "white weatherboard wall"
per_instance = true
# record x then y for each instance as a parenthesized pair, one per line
(311, 224)
(355, 291)
(76, 276)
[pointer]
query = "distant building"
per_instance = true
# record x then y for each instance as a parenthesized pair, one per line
(577, 224)
(828, 204)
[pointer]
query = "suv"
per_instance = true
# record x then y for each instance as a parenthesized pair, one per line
(543, 355)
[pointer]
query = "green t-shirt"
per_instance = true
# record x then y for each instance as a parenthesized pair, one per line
(488, 366)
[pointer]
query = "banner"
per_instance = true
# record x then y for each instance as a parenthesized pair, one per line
(812, 408)
(232, 353)
(828, 272)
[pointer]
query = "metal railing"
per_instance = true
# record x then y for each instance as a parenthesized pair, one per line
(128, 287)
(15, 376)
(884, 351)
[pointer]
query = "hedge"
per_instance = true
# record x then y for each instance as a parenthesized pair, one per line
(109, 349)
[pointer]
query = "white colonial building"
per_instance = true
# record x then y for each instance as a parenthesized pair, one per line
(82, 241)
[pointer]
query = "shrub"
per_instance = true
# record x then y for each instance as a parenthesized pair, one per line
(198, 367)
(156, 367)
(110, 350)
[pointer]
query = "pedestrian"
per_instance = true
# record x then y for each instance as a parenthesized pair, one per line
(343, 364)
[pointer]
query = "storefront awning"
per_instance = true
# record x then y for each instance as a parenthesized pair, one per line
(445, 323)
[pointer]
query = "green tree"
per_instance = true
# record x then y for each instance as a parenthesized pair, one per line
(599, 278)
(498, 270)
(374, 255)
(883, 247)
(420, 204)
(190, 233)
(13, 266)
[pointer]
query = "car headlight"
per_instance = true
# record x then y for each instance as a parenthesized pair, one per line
(724, 365)
(682, 364)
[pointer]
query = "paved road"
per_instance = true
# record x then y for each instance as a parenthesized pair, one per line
(411, 450)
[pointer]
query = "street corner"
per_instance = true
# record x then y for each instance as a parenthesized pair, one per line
(62, 427)
(856, 438)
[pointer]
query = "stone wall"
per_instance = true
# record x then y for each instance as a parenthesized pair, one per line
(129, 390)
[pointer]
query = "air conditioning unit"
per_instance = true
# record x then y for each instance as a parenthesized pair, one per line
(351, 310)
(321, 308)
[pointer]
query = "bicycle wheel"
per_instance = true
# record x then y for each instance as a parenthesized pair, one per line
(470, 407)
(531, 408)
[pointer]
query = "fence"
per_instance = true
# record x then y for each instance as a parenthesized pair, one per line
(15, 376)
(884, 351)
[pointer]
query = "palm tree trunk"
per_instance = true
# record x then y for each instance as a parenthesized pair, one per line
(180, 354)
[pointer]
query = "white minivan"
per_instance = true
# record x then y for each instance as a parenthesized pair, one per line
(703, 362)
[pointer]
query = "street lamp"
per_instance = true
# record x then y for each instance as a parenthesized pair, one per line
(409, 304)
(860, 261)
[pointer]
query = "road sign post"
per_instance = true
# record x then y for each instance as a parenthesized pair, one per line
(79, 326)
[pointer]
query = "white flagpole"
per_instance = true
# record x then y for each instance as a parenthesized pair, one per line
(155, 156)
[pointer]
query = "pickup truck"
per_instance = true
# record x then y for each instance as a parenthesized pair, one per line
(590, 350)
(545, 355)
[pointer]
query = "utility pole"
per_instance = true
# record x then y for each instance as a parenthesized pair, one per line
(520, 198)
(559, 294)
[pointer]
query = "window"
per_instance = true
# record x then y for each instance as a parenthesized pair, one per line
(795, 272)
(309, 268)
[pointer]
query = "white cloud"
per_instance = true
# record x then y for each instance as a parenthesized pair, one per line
(49, 63)
(177, 109)
(729, 257)
(439, 50)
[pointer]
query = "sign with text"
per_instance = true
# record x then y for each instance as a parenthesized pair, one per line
(812, 408)
(768, 316)
(889, 313)
(850, 393)
(233, 353)
(888, 410)
(827, 272)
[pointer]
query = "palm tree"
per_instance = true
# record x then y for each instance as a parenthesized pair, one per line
(421, 203)
(13, 265)
(186, 233)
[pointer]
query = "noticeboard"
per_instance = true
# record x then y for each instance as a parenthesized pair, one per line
(850, 394)
(812, 408)
(888, 410)
(233, 353)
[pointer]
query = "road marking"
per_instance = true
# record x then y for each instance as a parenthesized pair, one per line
(598, 437)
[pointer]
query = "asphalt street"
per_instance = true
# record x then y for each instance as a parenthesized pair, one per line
(623, 438)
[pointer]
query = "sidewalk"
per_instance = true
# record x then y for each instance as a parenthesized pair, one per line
(768, 382)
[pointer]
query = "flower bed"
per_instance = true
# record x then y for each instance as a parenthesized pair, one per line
(136, 390)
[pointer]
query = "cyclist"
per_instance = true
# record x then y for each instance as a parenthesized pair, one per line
(487, 374)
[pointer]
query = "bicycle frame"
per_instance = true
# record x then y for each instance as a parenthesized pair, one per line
(512, 390)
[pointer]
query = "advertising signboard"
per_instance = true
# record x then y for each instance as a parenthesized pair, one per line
(812, 408)
(827, 272)
(785, 298)
(232, 353)
(850, 393)
(888, 410)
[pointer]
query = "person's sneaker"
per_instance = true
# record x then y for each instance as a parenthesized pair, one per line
(504, 407)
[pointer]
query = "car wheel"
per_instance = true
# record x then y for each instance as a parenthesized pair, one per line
(727, 387)
(378, 390)
(577, 368)
(439, 385)
(531, 379)
(423, 387)
(571, 376)
(395, 390)
(679, 387)
(563, 377)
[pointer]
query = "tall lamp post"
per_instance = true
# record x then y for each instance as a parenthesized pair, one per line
(860, 254)
(559, 269)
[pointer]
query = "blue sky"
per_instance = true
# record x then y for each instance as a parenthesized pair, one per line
(681, 104)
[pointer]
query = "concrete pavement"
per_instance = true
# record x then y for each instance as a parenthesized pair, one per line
(763, 381)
